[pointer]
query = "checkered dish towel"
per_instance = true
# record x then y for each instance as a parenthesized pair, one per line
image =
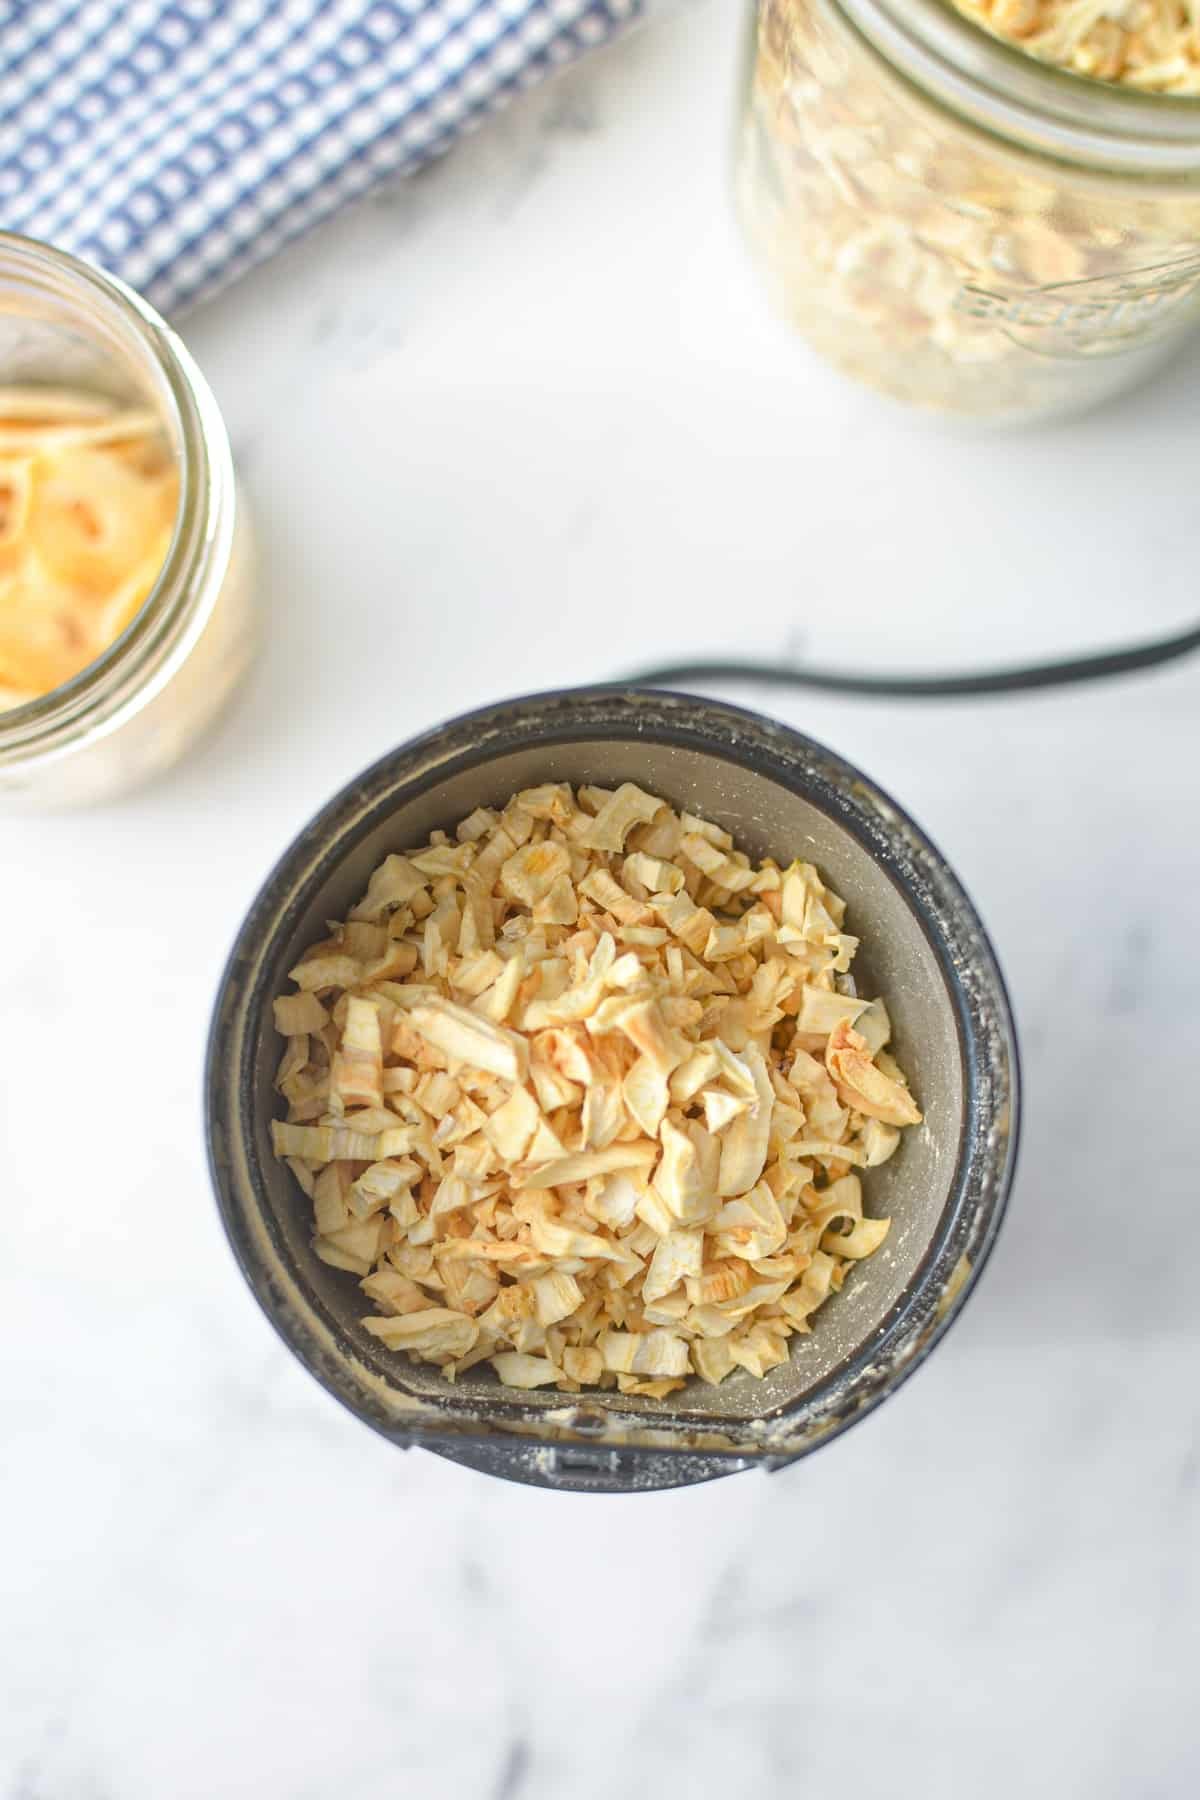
(178, 142)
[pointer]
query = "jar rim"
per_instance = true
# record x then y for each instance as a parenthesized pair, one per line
(126, 675)
(1011, 94)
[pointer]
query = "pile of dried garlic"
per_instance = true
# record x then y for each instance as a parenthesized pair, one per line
(88, 497)
(1150, 44)
(586, 1094)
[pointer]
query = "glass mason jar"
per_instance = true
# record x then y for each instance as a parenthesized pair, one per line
(138, 706)
(957, 224)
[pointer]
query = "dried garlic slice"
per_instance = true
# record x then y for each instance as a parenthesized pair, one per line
(88, 499)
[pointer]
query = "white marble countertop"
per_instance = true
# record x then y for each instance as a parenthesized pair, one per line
(523, 422)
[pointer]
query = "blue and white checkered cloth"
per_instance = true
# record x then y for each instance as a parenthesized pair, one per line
(178, 142)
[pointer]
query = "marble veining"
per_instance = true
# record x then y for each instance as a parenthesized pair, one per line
(521, 422)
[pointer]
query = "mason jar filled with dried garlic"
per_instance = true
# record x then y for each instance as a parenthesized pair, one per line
(125, 615)
(986, 207)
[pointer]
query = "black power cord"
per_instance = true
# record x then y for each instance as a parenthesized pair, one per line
(1016, 680)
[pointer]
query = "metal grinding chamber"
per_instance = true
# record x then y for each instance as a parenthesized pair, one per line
(924, 949)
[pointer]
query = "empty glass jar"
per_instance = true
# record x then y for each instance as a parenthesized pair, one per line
(958, 225)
